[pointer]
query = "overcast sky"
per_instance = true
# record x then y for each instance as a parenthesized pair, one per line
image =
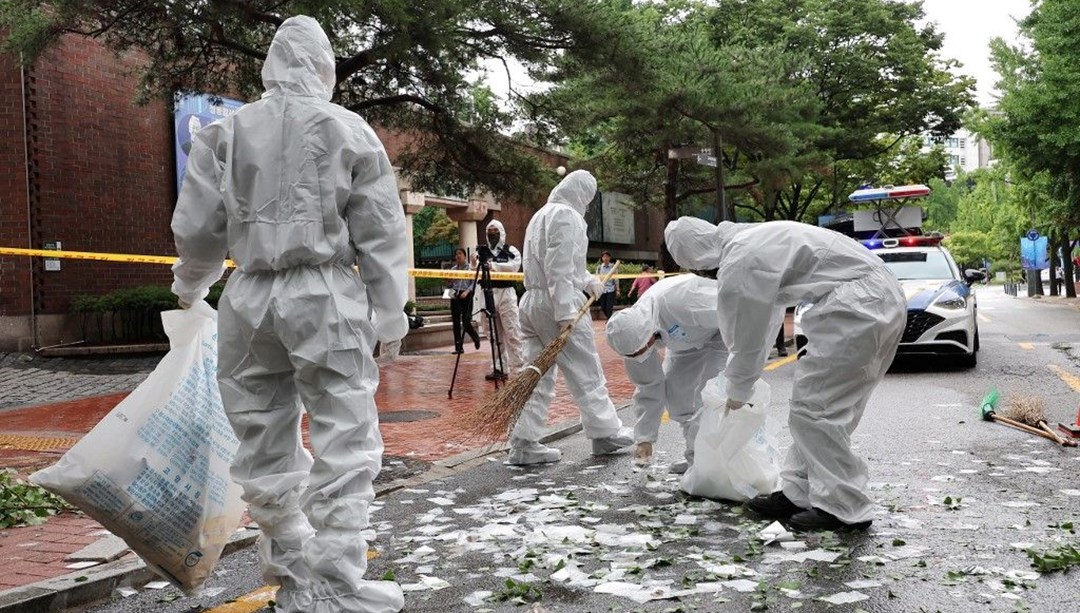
(968, 26)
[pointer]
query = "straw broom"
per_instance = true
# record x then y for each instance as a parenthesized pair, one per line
(494, 419)
(1030, 411)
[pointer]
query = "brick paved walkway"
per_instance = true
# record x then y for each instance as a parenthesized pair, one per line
(69, 396)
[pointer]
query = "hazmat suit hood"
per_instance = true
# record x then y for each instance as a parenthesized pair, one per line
(495, 223)
(696, 244)
(576, 191)
(630, 329)
(300, 60)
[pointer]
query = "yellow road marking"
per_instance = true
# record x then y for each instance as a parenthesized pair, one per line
(1027, 346)
(665, 418)
(782, 362)
(35, 443)
(1072, 380)
(247, 603)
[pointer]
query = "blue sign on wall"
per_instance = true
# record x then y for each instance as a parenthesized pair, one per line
(190, 114)
(1033, 252)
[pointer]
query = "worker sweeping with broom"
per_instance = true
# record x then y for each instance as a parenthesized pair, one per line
(853, 331)
(556, 281)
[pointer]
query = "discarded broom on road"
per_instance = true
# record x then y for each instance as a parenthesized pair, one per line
(494, 419)
(1030, 411)
(990, 402)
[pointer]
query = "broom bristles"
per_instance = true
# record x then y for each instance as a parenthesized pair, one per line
(495, 418)
(1026, 410)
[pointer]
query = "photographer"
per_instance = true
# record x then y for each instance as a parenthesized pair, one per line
(461, 302)
(500, 257)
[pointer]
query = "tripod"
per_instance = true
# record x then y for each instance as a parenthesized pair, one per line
(482, 279)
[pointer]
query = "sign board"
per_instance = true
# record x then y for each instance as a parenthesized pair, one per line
(618, 218)
(192, 113)
(52, 264)
(885, 219)
(1033, 253)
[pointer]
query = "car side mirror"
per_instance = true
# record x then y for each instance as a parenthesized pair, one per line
(972, 275)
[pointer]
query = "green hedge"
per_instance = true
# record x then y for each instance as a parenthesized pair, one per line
(129, 315)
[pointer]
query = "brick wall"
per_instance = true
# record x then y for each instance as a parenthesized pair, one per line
(14, 271)
(103, 170)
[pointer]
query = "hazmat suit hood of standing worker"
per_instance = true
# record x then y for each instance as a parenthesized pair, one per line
(852, 335)
(298, 191)
(576, 191)
(500, 242)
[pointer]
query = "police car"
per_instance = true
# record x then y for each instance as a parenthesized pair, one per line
(942, 310)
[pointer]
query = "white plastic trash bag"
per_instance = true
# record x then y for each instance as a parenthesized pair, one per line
(155, 470)
(734, 455)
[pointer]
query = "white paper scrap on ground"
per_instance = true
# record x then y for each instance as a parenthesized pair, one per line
(845, 598)
(863, 584)
(1019, 504)
(906, 552)
(477, 598)
(157, 585)
(793, 545)
(817, 555)
(81, 565)
(654, 591)
(1071, 492)
(741, 585)
(775, 533)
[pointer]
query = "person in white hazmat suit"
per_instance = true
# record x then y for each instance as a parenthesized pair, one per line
(556, 240)
(678, 313)
(505, 258)
(852, 335)
(298, 190)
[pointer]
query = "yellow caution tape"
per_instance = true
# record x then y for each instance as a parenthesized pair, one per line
(129, 258)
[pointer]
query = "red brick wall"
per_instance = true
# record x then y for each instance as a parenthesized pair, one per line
(14, 270)
(103, 167)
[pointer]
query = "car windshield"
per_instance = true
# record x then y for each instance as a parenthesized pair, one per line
(917, 264)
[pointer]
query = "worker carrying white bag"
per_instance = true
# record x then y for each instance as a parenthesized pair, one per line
(734, 456)
(155, 470)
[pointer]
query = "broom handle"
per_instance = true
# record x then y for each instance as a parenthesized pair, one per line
(588, 303)
(1060, 441)
(1019, 426)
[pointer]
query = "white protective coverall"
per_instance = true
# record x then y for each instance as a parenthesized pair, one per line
(852, 332)
(298, 190)
(556, 240)
(682, 310)
(506, 300)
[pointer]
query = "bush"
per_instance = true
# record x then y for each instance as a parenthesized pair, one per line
(131, 314)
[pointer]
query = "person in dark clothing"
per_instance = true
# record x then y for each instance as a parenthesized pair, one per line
(611, 287)
(461, 304)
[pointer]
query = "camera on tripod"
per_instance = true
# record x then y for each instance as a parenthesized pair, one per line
(484, 254)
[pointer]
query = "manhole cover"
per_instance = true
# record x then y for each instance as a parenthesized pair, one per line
(405, 416)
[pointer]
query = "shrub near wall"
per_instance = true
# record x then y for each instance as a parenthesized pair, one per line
(128, 315)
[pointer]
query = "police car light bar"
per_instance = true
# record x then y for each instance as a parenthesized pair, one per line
(889, 193)
(907, 241)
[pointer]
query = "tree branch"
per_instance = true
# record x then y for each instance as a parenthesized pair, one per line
(400, 98)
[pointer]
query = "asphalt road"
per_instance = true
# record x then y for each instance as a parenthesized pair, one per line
(960, 501)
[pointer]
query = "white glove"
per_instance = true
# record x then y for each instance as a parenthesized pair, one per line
(387, 352)
(595, 288)
(734, 405)
(392, 327)
(566, 323)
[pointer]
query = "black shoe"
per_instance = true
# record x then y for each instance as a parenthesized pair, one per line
(496, 374)
(773, 506)
(476, 341)
(816, 520)
(781, 353)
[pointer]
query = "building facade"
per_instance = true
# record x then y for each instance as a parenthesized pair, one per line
(85, 168)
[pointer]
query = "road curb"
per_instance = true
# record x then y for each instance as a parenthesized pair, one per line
(61, 593)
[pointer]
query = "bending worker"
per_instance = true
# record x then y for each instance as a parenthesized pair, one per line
(298, 190)
(678, 313)
(505, 258)
(555, 279)
(852, 332)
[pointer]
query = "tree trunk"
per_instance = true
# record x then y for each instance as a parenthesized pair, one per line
(671, 208)
(1053, 242)
(1070, 270)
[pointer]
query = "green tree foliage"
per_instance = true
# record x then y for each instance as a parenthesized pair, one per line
(401, 64)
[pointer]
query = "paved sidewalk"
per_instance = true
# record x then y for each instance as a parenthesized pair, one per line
(419, 426)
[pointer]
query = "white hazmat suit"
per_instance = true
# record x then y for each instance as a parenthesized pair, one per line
(556, 240)
(506, 258)
(298, 190)
(852, 331)
(682, 311)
